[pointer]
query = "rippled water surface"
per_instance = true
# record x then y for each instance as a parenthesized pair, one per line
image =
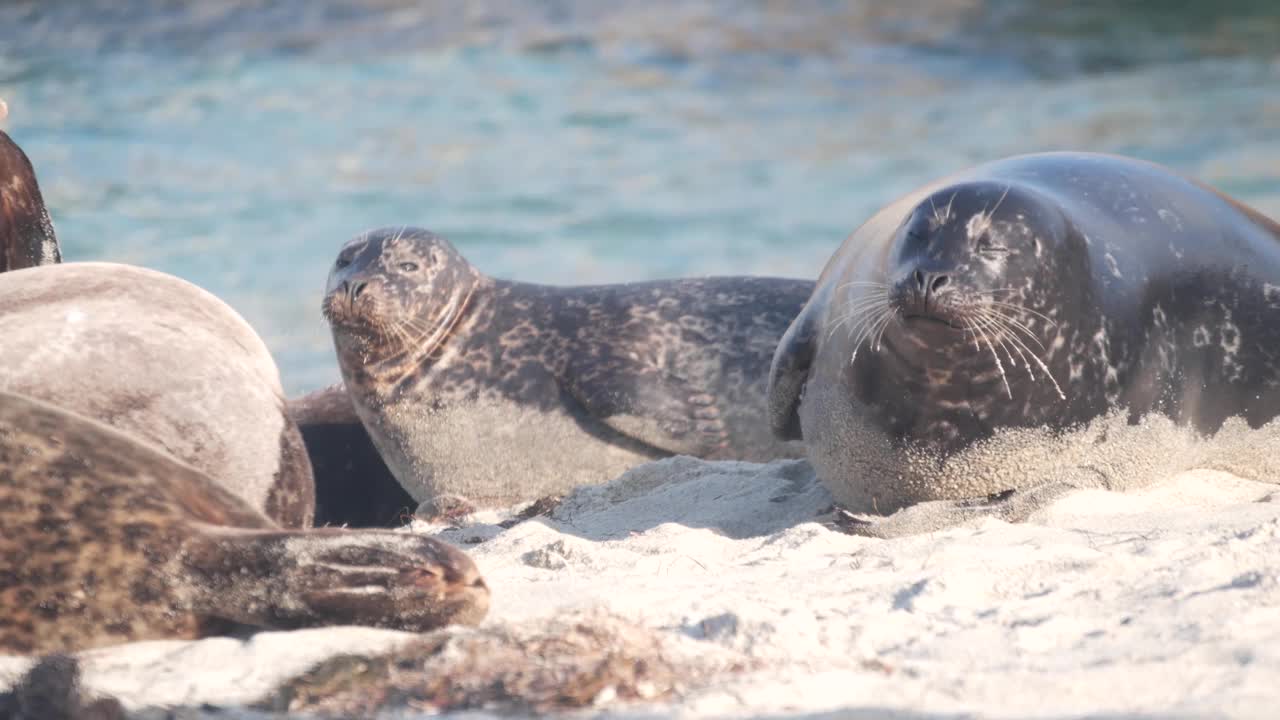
(239, 144)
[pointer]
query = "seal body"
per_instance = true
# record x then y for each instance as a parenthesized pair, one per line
(26, 231)
(496, 392)
(164, 361)
(1055, 318)
(108, 539)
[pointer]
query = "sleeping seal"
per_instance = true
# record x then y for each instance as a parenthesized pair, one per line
(1034, 324)
(26, 231)
(166, 362)
(108, 539)
(483, 392)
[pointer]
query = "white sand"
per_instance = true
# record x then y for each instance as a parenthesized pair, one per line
(1164, 602)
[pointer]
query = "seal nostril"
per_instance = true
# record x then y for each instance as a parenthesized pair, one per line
(919, 277)
(938, 283)
(356, 289)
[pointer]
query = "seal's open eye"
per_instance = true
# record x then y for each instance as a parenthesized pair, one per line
(408, 266)
(342, 262)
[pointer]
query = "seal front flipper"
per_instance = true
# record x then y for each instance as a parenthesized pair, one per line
(295, 579)
(1011, 506)
(647, 404)
(789, 373)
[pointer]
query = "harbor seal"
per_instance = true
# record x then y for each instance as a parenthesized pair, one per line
(108, 539)
(485, 392)
(164, 361)
(27, 238)
(1032, 325)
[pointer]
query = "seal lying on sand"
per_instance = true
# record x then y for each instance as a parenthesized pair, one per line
(107, 539)
(1034, 324)
(26, 232)
(164, 361)
(495, 392)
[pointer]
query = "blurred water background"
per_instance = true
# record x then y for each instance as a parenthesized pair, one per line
(239, 143)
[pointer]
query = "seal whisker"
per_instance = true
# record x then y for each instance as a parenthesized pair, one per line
(1002, 338)
(869, 331)
(1020, 308)
(999, 365)
(890, 317)
(1038, 361)
(1015, 324)
(859, 310)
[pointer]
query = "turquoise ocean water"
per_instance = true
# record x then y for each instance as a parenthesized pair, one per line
(239, 144)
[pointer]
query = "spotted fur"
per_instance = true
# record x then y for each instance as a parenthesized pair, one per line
(1022, 305)
(107, 539)
(555, 386)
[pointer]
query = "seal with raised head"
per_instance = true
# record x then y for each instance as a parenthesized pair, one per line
(163, 360)
(26, 231)
(484, 392)
(108, 539)
(1031, 325)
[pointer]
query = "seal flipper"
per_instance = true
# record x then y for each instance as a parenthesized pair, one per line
(1012, 506)
(656, 407)
(328, 576)
(789, 373)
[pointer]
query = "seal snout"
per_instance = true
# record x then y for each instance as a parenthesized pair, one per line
(928, 296)
(929, 286)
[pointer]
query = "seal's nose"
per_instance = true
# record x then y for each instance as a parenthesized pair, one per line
(930, 285)
(352, 289)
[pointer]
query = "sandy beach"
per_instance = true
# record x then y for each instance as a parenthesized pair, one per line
(1156, 603)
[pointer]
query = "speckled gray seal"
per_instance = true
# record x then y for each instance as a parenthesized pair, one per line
(1035, 324)
(26, 231)
(485, 392)
(163, 360)
(107, 539)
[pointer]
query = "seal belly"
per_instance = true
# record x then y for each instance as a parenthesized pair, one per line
(493, 452)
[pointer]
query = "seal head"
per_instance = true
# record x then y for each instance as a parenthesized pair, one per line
(394, 299)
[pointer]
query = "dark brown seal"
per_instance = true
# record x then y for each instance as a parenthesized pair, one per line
(1031, 325)
(107, 539)
(26, 231)
(492, 392)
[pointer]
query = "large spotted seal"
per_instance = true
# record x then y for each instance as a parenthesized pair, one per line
(163, 360)
(108, 539)
(1033, 324)
(26, 231)
(494, 392)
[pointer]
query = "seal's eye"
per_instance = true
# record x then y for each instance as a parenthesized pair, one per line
(408, 266)
(342, 262)
(987, 246)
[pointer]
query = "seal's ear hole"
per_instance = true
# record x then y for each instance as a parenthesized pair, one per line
(409, 266)
(435, 257)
